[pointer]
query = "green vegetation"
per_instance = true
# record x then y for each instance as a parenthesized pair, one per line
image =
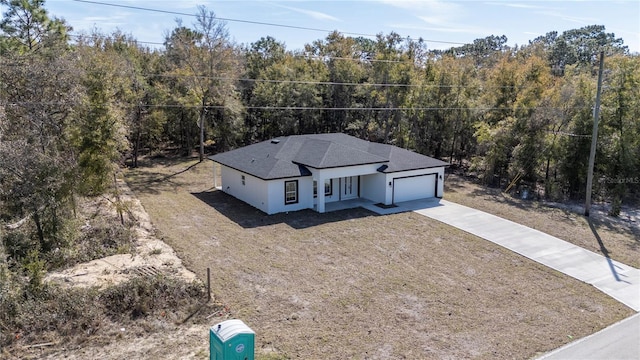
(55, 314)
(73, 111)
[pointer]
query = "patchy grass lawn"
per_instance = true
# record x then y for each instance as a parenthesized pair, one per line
(354, 285)
(605, 235)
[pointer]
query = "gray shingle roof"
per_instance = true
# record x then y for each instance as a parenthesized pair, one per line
(290, 156)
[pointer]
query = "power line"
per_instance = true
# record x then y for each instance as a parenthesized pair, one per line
(328, 57)
(251, 21)
(33, 103)
(219, 18)
(81, 36)
(569, 134)
(303, 55)
(307, 82)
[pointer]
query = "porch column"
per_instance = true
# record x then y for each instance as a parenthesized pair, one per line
(320, 192)
(215, 175)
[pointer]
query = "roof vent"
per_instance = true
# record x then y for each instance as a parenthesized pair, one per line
(275, 141)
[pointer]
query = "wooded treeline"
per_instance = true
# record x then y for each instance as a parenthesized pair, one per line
(73, 107)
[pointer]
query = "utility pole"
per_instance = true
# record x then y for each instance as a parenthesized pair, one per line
(594, 138)
(202, 114)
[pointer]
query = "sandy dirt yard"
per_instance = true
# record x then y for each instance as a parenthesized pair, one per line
(354, 285)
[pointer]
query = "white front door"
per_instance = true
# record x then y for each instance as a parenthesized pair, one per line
(349, 188)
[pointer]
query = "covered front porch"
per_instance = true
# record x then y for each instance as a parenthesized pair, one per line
(345, 185)
(381, 209)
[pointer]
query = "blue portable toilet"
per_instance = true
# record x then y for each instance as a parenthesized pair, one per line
(231, 340)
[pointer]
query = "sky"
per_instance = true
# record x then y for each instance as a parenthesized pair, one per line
(441, 23)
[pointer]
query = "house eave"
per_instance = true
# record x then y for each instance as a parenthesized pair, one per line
(261, 177)
(413, 169)
(341, 166)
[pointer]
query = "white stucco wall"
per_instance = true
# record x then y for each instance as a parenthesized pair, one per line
(345, 171)
(373, 187)
(253, 192)
(276, 200)
(268, 196)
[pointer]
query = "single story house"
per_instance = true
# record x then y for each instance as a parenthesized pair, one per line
(308, 171)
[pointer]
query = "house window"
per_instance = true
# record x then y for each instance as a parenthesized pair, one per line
(291, 192)
(242, 178)
(328, 188)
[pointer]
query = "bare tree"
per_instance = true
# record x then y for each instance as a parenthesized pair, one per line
(209, 58)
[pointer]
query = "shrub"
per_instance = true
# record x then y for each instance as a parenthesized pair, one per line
(97, 240)
(35, 268)
(54, 311)
(18, 243)
(62, 311)
(616, 207)
(144, 295)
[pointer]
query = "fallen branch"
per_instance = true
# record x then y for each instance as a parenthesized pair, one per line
(219, 312)
(17, 224)
(40, 345)
(21, 222)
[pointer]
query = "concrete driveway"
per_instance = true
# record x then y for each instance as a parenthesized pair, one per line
(620, 281)
(619, 341)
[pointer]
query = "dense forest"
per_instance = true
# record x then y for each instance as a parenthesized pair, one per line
(75, 107)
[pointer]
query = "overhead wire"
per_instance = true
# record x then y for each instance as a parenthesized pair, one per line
(82, 36)
(307, 82)
(217, 17)
(419, 108)
(330, 83)
(295, 55)
(295, 81)
(564, 133)
(250, 21)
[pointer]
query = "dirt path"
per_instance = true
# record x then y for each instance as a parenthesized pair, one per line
(157, 340)
(151, 255)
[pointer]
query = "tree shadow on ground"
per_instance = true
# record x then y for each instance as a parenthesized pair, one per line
(565, 211)
(605, 252)
(616, 225)
(166, 159)
(249, 217)
(153, 182)
(568, 211)
(498, 196)
(452, 184)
